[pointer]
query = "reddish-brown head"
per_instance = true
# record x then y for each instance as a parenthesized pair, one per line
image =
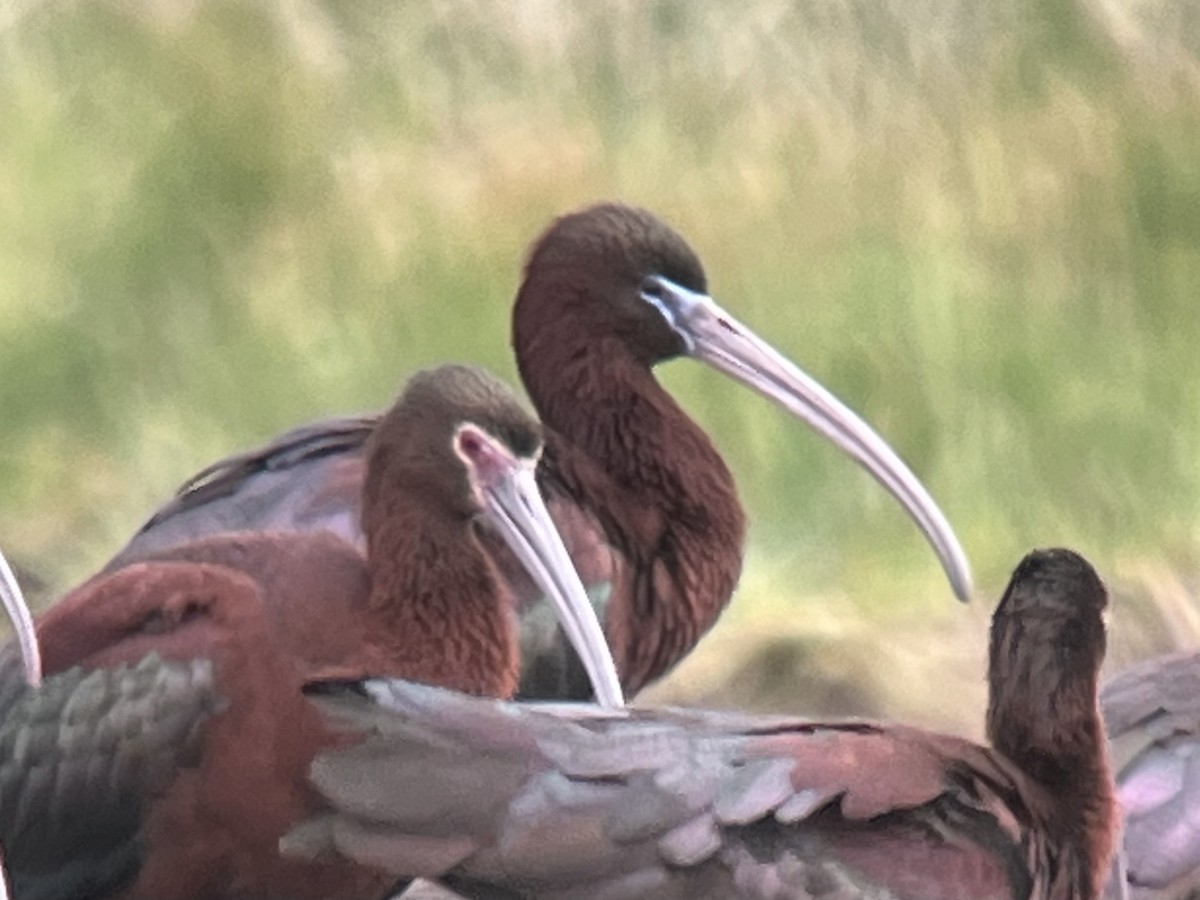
(584, 280)
(457, 449)
(610, 291)
(425, 446)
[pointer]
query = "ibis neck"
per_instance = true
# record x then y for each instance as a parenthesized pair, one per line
(1043, 715)
(622, 448)
(439, 613)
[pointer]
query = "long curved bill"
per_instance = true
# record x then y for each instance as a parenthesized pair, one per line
(22, 623)
(715, 337)
(515, 509)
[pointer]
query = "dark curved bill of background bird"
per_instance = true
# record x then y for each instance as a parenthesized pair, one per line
(977, 224)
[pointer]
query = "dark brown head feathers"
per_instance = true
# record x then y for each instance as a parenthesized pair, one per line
(414, 439)
(584, 276)
(628, 242)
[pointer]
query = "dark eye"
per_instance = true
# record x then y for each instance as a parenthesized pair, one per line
(653, 289)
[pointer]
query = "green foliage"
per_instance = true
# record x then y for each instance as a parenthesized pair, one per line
(979, 224)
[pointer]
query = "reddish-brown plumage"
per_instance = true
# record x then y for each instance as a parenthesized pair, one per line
(217, 824)
(423, 600)
(618, 444)
(272, 611)
(646, 504)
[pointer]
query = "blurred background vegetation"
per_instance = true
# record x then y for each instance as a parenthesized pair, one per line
(977, 223)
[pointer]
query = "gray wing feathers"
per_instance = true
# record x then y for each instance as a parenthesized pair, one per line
(580, 804)
(79, 759)
(1152, 712)
(506, 791)
(290, 483)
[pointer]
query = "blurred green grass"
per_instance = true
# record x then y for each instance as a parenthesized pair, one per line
(978, 224)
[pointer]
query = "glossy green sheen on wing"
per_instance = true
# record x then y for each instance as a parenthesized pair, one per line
(81, 756)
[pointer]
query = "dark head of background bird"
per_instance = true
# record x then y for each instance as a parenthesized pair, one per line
(1048, 631)
(1047, 646)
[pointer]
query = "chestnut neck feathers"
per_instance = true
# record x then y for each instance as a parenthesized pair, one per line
(1047, 645)
(432, 580)
(617, 443)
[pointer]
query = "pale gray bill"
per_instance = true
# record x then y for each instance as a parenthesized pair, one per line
(715, 337)
(516, 510)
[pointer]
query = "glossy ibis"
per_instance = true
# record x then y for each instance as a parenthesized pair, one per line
(1152, 712)
(552, 801)
(167, 750)
(646, 505)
